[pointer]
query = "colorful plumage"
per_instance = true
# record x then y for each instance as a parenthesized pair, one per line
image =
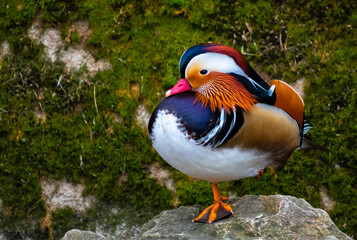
(223, 122)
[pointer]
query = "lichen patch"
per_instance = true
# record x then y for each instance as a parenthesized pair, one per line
(163, 177)
(60, 194)
(135, 89)
(35, 30)
(142, 117)
(327, 203)
(73, 58)
(53, 43)
(4, 49)
(82, 28)
(299, 86)
(40, 114)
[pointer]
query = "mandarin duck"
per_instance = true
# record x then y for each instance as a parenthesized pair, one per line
(223, 122)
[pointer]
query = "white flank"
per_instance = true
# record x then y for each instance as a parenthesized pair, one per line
(203, 162)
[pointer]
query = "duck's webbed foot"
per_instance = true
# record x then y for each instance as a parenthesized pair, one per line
(218, 210)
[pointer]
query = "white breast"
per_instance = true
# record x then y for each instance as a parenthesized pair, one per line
(203, 162)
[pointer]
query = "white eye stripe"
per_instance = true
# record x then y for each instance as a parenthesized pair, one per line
(215, 62)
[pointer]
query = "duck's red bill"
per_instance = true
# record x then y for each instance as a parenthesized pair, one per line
(181, 86)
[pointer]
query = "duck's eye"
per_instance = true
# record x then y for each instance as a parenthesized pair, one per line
(203, 71)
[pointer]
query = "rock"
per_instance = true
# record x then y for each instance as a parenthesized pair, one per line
(76, 234)
(256, 217)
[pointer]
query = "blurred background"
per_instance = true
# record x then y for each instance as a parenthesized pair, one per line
(79, 80)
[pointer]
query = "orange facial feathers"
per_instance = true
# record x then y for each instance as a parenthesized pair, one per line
(223, 90)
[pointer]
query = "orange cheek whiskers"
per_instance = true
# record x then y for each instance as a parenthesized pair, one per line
(225, 91)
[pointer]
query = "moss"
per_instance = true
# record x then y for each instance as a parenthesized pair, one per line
(64, 220)
(100, 143)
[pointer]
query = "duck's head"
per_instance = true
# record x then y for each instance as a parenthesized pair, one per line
(220, 76)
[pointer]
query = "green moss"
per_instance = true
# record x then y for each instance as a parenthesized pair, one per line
(143, 41)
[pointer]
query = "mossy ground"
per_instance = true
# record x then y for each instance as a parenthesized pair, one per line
(143, 41)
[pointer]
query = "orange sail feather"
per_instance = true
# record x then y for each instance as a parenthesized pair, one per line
(289, 100)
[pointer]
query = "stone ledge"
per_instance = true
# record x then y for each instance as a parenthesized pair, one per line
(256, 217)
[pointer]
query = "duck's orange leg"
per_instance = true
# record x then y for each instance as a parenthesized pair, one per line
(260, 173)
(217, 210)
